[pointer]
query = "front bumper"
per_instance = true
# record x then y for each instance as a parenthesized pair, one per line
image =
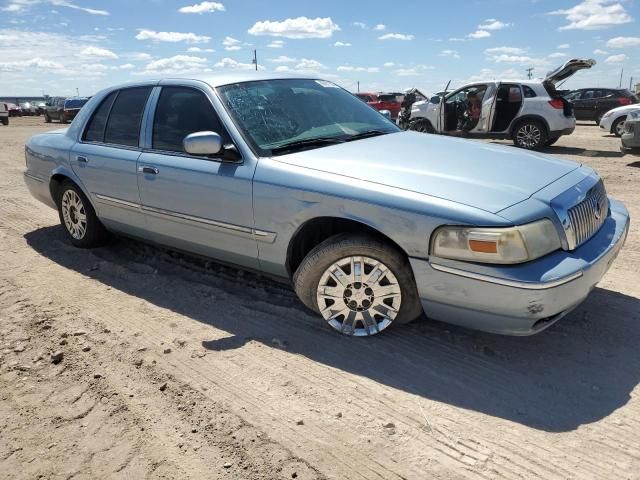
(519, 299)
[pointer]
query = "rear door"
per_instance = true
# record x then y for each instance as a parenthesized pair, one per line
(585, 106)
(105, 158)
(197, 203)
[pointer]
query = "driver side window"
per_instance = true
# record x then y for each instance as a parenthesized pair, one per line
(180, 112)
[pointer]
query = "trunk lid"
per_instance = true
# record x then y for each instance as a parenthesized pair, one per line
(567, 69)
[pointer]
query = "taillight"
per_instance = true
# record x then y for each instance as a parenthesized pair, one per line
(557, 103)
(624, 101)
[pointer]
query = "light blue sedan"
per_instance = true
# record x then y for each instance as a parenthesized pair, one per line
(297, 178)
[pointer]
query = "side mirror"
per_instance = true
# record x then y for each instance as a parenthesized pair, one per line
(386, 114)
(202, 143)
(435, 99)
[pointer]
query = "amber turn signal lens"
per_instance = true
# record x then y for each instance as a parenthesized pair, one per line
(483, 246)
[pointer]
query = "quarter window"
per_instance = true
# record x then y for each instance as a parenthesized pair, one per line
(528, 92)
(123, 126)
(95, 128)
(180, 112)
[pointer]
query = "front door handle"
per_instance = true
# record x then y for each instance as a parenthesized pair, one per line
(82, 159)
(148, 169)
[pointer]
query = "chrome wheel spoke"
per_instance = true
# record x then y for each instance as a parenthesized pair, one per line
(74, 214)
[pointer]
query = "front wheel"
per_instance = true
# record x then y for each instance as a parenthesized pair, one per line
(5, 120)
(618, 126)
(47, 118)
(421, 125)
(530, 135)
(78, 217)
(358, 284)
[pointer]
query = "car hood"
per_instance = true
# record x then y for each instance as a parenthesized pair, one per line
(486, 176)
(624, 109)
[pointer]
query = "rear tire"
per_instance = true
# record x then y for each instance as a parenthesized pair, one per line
(78, 218)
(551, 141)
(618, 126)
(359, 284)
(421, 125)
(5, 120)
(530, 135)
(47, 118)
(599, 118)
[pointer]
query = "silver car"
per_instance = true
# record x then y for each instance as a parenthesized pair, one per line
(297, 178)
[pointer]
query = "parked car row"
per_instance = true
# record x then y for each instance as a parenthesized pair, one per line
(63, 109)
(4, 113)
(371, 225)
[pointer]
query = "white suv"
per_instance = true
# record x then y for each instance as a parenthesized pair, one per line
(530, 112)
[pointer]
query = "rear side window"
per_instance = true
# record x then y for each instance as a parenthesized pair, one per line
(123, 125)
(181, 111)
(528, 92)
(95, 128)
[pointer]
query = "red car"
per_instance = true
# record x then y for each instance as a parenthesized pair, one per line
(382, 101)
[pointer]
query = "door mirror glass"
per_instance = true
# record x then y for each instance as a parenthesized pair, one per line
(202, 143)
(386, 114)
(435, 100)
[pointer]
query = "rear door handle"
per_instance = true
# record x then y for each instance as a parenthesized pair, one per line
(148, 169)
(82, 159)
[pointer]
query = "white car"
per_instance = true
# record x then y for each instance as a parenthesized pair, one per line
(530, 112)
(4, 113)
(613, 120)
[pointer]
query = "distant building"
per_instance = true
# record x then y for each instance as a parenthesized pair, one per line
(22, 99)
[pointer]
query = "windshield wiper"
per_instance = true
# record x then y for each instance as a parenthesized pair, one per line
(367, 134)
(307, 142)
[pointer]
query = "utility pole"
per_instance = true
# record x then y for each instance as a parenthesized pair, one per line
(529, 70)
(255, 59)
(620, 83)
(358, 86)
(77, 92)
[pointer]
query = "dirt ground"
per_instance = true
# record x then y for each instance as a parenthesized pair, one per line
(173, 367)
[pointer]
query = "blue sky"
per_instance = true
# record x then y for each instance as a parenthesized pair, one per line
(56, 46)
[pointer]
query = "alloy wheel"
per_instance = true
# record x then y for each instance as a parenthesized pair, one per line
(358, 296)
(620, 128)
(529, 135)
(74, 214)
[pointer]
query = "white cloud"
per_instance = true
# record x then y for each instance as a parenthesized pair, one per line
(126, 66)
(617, 58)
(137, 56)
(176, 64)
(231, 44)
(361, 25)
(379, 27)
(479, 34)
(232, 64)
(413, 71)
(276, 44)
(564, 45)
(173, 37)
(457, 39)
(281, 59)
(396, 36)
(200, 50)
(203, 7)
(388, 64)
(557, 55)
(599, 51)
(20, 6)
(449, 53)
(304, 66)
(23, 65)
(98, 52)
(301, 27)
(349, 68)
(593, 14)
(508, 50)
(342, 44)
(623, 42)
(493, 24)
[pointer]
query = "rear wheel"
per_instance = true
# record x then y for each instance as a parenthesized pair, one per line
(550, 142)
(599, 118)
(530, 134)
(358, 284)
(421, 125)
(78, 217)
(5, 120)
(618, 126)
(47, 118)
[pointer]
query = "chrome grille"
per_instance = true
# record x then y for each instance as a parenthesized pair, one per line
(588, 216)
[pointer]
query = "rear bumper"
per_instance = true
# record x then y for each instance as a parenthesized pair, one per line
(519, 299)
(559, 133)
(39, 189)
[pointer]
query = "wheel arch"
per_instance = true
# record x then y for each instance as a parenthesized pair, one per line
(316, 230)
(58, 177)
(518, 121)
(621, 118)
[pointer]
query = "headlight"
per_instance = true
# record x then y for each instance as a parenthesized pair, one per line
(606, 115)
(635, 115)
(496, 245)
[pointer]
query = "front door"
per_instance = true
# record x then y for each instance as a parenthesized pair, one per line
(106, 158)
(195, 203)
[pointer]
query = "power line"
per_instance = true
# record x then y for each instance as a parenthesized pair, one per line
(529, 74)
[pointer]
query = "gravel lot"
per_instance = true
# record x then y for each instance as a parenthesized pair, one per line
(177, 368)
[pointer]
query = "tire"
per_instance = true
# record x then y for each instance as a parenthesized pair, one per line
(530, 135)
(363, 313)
(5, 120)
(551, 141)
(421, 125)
(618, 126)
(78, 218)
(47, 118)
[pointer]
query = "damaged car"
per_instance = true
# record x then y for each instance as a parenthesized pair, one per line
(531, 113)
